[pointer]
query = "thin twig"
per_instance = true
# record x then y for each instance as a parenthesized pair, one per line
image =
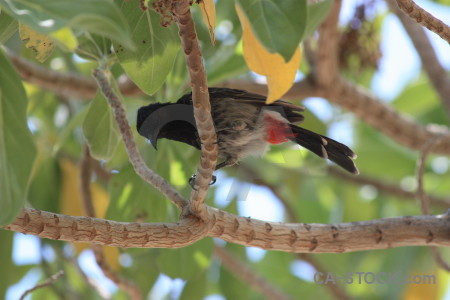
(424, 18)
(47, 282)
(91, 283)
(424, 202)
(386, 187)
(202, 107)
(292, 216)
(134, 156)
(100, 171)
(440, 259)
(123, 283)
(335, 289)
(249, 276)
(86, 197)
(436, 73)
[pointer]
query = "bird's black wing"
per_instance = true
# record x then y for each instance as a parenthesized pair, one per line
(291, 111)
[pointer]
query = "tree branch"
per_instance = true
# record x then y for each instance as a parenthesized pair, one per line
(47, 282)
(86, 197)
(109, 233)
(373, 111)
(68, 84)
(436, 73)
(326, 63)
(424, 201)
(288, 237)
(202, 107)
(386, 187)
(335, 289)
(424, 18)
(243, 271)
(133, 154)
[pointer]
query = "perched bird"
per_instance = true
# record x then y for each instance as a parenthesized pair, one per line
(245, 125)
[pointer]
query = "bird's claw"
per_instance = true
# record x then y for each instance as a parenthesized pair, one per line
(192, 181)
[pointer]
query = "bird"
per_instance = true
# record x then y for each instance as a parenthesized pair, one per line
(245, 126)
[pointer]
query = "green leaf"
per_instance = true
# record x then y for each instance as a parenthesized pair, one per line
(195, 288)
(272, 21)
(93, 46)
(316, 14)
(8, 26)
(100, 129)
(102, 17)
(65, 134)
(381, 153)
(132, 199)
(17, 150)
(45, 185)
(224, 64)
(188, 262)
(230, 285)
(418, 99)
(6, 240)
(156, 48)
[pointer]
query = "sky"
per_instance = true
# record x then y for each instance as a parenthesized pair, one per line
(398, 66)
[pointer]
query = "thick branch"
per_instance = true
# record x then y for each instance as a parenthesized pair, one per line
(288, 237)
(425, 19)
(326, 68)
(69, 84)
(249, 276)
(109, 233)
(202, 107)
(333, 238)
(130, 145)
(436, 73)
(373, 111)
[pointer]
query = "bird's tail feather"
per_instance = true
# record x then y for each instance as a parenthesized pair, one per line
(325, 147)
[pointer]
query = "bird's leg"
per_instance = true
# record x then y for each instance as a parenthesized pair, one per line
(228, 162)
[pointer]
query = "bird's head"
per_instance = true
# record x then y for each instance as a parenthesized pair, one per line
(158, 120)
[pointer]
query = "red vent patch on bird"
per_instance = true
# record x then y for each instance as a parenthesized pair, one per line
(277, 131)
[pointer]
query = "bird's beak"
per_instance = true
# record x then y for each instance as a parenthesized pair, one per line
(154, 140)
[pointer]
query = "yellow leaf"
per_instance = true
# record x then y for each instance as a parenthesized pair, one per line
(209, 16)
(111, 255)
(41, 44)
(280, 74)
